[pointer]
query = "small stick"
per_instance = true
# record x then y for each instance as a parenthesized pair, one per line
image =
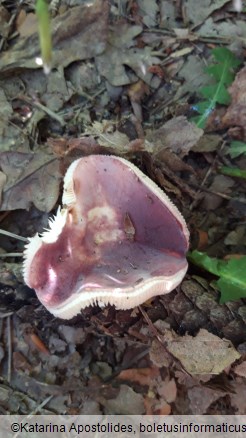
(15, 236)
(42, 107)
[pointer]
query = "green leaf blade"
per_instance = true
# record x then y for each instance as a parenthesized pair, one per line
(224, 55)
(217, 93)
(232, 274)
(237, 148)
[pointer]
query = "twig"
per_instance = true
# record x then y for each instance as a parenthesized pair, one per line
(43, 108)
(222, 195)
(206, 177)
(159, 337)
(37, 409)
(15, 236)
(40, 406)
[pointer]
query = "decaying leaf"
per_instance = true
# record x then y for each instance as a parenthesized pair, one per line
(198, 11)
(236, 113)
(114, 140)
(240, 369)
(207, 143)
(177, 134)
(167, 390)
(80, 33)
(148, 9)
(203, 354)
(31, 178)
(126, 401)
(158, 355)
(201, 398)
(238, 399)
(143, 376)
(120, 53)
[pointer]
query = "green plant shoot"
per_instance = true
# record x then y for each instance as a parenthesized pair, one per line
(42, 12)
(233, 171)
(237, 148)
(231, 273)
(223, 73)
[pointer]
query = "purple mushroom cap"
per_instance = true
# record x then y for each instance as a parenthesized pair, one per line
(117, 240)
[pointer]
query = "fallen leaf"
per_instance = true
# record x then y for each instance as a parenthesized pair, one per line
(119, 53)
(221, 184)
(203, 354)
(163, 409)
(143, 376)
(158, 355)
(20, 363)
(238, 399)
(240, 369)
(207, 143)
(202, 239)
(31, 178)
(29, 25)
(194, 75)
(126, 401)
(178, 135)
(201, 398)
(114, 140)
(197, 12)
(154, 406)
(168, 390)
(224, 28)
(80, 33)
(236, 112)
(148, 10)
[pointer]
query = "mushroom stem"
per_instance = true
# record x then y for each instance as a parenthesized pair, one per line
(15, 236)
(11, 254)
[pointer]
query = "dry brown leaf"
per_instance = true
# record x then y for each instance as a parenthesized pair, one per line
(177, 134)
(236, 113)
(207, 143)
(115, 141)
(168, 390)
(120, 53)
(221, 184)
(80, 33)
(155, 406)
(31, 178)
(126, 401)
(240, 369)
(158, 355)
(238, 399)
(203, 354)
(107, 136)
(201, 398)
(29, 25)
(173, 161)
(163, 408)
(143, 376)
(198, 12)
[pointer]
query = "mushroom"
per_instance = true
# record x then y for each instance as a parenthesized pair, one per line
(118, 239)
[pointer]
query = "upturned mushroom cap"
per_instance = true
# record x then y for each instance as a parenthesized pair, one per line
(118, 239)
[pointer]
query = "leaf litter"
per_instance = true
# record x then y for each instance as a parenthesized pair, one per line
(126, 84)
